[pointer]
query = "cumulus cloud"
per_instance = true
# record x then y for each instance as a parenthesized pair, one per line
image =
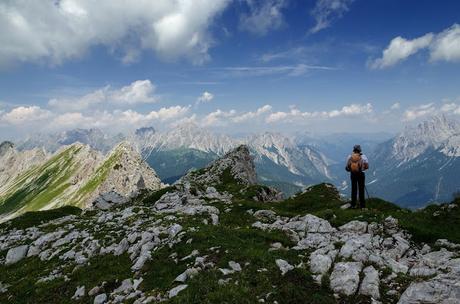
(217, 117)
(138, 92)
(326, 11)
(400, 49)
(205, 97)
(25, 115)
(251, 115)
(419, 111)
(451, 108)
(55, 31)
(296, 114)
(264, 16)
(444, 46)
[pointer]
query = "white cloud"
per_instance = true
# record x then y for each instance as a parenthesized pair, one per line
(55, 31)
(447, 45)
(419, 111)
(451, 108)
(395, 106)
(259, 71)
(400, 49)
(205, 97)
(138, 92)
(25, 115)
(326, 11)
(251, 115)
(217, 117)
(444, 46)
(296, 114)
(264, 16)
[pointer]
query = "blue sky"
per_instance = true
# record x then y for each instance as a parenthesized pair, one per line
(233, 66)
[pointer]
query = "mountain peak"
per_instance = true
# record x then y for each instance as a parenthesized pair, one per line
(430, 133)
(237, 164)
(144, 131)
(6, 146)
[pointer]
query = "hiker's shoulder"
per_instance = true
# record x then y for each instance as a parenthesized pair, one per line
(364, 157)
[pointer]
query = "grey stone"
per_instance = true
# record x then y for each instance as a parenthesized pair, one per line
(175, 291)
(345, 277)
(79, 293)
(320, 263)
(284, 266)
(371, 283)
(443, 288)
(16, 254)
(100, 299)
(234, 266)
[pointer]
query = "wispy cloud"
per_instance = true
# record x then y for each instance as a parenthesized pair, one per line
(263, 16)
(205, 98)
(258, 71)
(326, 12)
(138, 92)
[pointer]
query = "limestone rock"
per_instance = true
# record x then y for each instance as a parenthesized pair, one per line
(16, 254)
(345, 277)
(175, 291)
(371, 283)
(284, 266)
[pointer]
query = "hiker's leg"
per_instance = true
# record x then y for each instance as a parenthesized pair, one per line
(361, 184)
(354, 189)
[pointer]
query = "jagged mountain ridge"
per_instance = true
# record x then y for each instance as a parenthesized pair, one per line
(419, 165)
(74, 175)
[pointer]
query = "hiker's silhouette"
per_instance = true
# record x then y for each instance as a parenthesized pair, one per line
(357, 163)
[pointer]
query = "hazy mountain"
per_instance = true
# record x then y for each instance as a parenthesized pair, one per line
(95, 138)
(420, 164)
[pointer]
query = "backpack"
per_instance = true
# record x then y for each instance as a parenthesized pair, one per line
(355, 163)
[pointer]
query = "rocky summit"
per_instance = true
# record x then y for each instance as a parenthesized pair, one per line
(215, 236)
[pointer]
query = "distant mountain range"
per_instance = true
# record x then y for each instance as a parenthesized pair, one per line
(413, 168)
(419, 165)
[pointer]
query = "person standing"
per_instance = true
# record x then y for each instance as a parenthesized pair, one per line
(357, 163)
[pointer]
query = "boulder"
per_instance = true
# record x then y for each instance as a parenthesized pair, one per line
(320, 263)
(284, 266)
(345, 277)
(175, 291)
(371, 283)
(16, 254)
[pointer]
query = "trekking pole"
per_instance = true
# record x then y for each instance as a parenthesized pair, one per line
(365, 188)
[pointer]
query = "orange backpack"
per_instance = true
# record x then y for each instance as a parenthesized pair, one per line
(355, 162)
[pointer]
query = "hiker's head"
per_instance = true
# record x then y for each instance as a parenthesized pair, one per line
(357, 149)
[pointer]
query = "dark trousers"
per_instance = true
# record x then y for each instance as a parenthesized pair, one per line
(357, 183)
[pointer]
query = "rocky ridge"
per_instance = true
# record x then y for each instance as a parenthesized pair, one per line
(74, 175)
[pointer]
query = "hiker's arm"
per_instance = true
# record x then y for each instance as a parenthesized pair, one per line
(347, 165)
(365, 163)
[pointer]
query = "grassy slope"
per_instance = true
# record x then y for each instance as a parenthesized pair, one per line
(35, 188)
(238, 241)
(99, 176)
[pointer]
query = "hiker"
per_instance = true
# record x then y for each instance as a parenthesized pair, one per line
(357, 163)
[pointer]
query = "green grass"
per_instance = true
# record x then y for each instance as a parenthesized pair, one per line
(100, 175)
(35, 218)
(23, 276)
